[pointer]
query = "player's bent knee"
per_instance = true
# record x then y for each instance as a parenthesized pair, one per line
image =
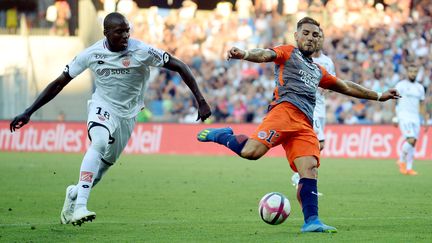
(251, 155)
(253, 150)
(307, 166)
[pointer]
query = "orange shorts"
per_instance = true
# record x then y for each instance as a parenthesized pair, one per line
(287, 125)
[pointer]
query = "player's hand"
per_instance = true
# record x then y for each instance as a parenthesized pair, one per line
(204, 111)
(236, 53)
(390, 94)
(19, 121)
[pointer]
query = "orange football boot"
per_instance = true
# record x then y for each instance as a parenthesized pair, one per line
(411, 172)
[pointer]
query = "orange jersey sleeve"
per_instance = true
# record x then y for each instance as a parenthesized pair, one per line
(283, 53)
(327, 79)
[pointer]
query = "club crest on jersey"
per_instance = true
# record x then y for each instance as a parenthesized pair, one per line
(262, 134)
(126, 62)
(102, 118)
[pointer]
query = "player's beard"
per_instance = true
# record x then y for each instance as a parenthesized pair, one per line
(412, 80)
(306, 53)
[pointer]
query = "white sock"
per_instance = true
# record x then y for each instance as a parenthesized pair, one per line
(404, 151)
(89, 168)
(410, 158)
(90, 164)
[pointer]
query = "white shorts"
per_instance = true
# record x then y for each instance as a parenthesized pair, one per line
(120, 129)
(409, 128)
(318, 126)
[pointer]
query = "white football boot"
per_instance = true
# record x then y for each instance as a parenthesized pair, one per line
(82, 215)
(68, 207)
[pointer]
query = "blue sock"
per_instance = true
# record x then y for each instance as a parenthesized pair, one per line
(307, 195)
(231, 141)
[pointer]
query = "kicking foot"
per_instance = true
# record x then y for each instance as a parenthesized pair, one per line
(82, 215)
(68, 207)
(210, 134)
(317, 226)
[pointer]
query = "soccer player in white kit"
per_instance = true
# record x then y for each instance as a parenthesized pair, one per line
(409, 108)
(121, 69)
(319, 114)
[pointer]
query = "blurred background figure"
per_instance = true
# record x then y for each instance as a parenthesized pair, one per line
(12, 19)
(61, 21)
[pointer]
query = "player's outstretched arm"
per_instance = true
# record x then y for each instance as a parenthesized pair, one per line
(47, 94)
(358, 91)
(253, 55)
(174, 64)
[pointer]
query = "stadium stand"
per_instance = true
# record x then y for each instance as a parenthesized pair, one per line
(368, 46)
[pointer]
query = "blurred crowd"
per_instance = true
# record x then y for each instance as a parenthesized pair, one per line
(368, 42)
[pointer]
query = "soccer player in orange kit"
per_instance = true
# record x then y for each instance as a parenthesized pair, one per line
(290, 116)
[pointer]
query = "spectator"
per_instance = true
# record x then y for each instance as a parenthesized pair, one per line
(61, 23)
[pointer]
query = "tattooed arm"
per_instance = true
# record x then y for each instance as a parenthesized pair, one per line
(253, 55)
(355, 90)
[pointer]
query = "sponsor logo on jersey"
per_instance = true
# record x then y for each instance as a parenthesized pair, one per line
(100, 56)
(112, 71)
(309, 79)
(154, 53)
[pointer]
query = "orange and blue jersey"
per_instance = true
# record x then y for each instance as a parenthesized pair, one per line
(297, 78)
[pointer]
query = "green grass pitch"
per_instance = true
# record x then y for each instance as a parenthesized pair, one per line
(154, 198)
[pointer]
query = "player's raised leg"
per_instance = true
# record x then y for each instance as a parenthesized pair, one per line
(89, 168)
(240, 144)
(223, 136)
(307, 195)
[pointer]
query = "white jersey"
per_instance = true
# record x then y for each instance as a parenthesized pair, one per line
(408, 107)
(120, 77)
(320, 107)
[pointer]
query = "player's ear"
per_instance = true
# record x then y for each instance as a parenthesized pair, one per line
(296, 35)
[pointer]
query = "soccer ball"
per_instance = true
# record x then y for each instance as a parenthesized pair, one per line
(274, 208)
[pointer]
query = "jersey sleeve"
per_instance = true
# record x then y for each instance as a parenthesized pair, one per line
(327, 80)
(398, 87)
(151, 56)
(77, 65)
(423, 93)
(332, 69)
(283, 53)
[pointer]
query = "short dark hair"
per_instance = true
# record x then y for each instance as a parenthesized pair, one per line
(307, 20)
(112, 18)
